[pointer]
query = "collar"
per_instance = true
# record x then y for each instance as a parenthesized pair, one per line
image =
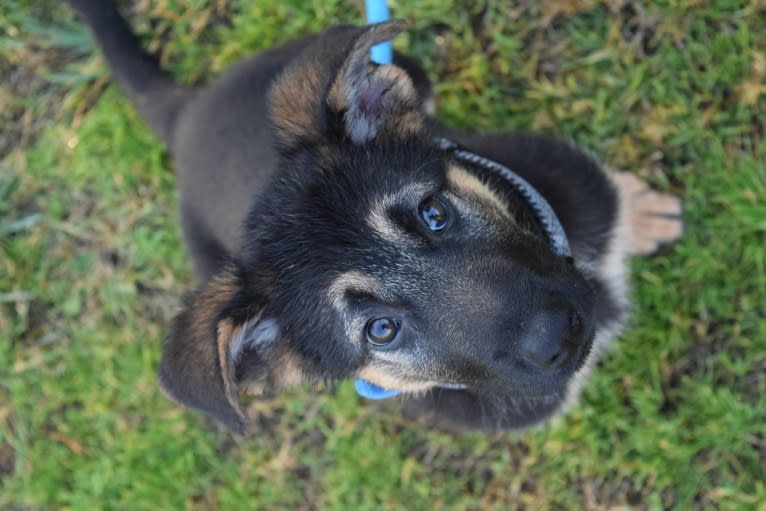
(543, 211)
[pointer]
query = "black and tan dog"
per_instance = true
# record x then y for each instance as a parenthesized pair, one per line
(337, 235)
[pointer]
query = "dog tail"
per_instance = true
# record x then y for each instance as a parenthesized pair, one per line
(152, 91)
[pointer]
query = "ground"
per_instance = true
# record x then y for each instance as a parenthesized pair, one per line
(92, 268)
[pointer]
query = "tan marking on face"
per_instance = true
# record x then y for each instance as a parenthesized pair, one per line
(353, 280)
(466, 183)
(384, 377)
(380, 221)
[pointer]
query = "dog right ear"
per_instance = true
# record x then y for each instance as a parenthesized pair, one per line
(333, 91)
(225, 341)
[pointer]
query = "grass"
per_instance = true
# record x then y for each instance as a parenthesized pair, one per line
(92, 268)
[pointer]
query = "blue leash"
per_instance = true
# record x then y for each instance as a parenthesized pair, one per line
(377, 11)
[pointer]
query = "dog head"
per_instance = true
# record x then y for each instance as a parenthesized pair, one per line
(375, 254)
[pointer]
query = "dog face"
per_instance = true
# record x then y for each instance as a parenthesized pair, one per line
(375, 254)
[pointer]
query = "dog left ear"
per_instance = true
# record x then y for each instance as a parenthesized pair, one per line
(222, 343)
(334, 89)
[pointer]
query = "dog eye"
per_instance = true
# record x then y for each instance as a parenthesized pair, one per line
(434, 213)
(381, 331)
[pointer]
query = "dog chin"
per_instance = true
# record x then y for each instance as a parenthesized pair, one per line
(523, 411)
(534, 407)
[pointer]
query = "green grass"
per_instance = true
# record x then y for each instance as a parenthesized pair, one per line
(92, 268)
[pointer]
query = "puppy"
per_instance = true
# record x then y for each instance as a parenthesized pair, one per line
(339, 231)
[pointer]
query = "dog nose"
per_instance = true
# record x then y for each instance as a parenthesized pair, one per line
(552, 338)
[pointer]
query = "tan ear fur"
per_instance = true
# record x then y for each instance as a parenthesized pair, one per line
(226, 331)
(214, 339)
(296, 105)
(335, 76)
(191, 371)
(376, 99)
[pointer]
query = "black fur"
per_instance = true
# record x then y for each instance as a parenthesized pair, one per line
(280, 206)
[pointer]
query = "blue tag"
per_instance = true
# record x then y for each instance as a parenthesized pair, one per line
(372, 391)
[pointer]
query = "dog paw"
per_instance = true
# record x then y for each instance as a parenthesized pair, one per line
(652, 218)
